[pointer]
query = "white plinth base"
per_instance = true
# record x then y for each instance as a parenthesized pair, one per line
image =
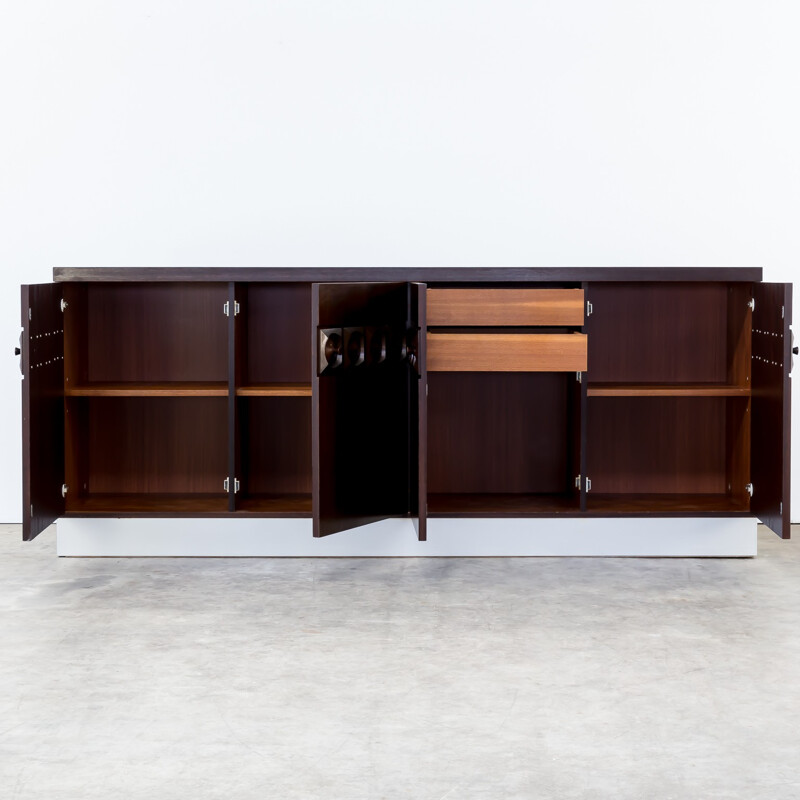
(732, 537)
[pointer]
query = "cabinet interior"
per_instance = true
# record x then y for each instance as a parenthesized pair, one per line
(166, 396)
(153, 389)
(669, 397)
(500, 443)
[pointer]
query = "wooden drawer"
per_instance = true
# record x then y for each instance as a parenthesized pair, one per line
(506, 352)
(505, 307)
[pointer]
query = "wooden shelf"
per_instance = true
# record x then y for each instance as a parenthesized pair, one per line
(501, 505)
(666, 390)
(275, 505)
(115, 505)
(275, 390)
(177, 389)
(659, 504)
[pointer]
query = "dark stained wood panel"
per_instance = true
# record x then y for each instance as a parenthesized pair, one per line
(156, 333)
(501, 505)
(42, 365)
(658, 333)
(665, 504)
(156, 445)
(121, 505)
(403, 274)
(360, 428)
(275, 505)
(475, 307)
(418, 414)
(657, 445)
(771, 404)
(276, 446)
(497, 433)
(506, 352)
(278, 317)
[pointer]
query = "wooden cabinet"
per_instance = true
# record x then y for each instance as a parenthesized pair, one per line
(349, 396)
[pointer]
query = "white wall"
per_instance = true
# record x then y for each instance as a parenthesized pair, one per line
(392, 133)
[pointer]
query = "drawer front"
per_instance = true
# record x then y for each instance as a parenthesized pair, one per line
(506, 352)
(462, 307)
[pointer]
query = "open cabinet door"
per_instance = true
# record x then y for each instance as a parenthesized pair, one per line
(771, 406)
(42, 365)
(362, 367)
(418, 417)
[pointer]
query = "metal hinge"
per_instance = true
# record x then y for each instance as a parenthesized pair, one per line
(64, 489)
(588, 484)
(751, 304)
(589, 308)
(578, 377)
(226, 484)
(748, 487)
(578, 483)
(63, 305)
(29, 315)
(227, 308)
(780, 510)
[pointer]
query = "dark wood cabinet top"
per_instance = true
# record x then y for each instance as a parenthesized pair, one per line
(425, 274)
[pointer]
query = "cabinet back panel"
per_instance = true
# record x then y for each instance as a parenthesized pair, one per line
(278, 333)
(156, 445)
(156, 332)
(658, 333)
(657, 445)
(276, 440)
(497, 432)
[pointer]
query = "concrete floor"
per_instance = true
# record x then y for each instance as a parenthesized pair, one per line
(398, 678)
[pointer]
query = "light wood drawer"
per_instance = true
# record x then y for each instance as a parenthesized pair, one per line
(505, 307)
(506, 352)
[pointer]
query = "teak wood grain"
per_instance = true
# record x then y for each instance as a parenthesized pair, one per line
(505, 307)
(178, 389)
(506, 352)
(275, 390)
(666, 390)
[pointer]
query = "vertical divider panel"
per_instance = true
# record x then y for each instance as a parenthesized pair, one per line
(579, 417)
(738, 409)
(233, 369)
(76, 409)
(418, 415)
(317, 453)
(584, 402)
(240, 427)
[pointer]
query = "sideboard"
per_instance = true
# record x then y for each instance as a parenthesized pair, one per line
(340, 397)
